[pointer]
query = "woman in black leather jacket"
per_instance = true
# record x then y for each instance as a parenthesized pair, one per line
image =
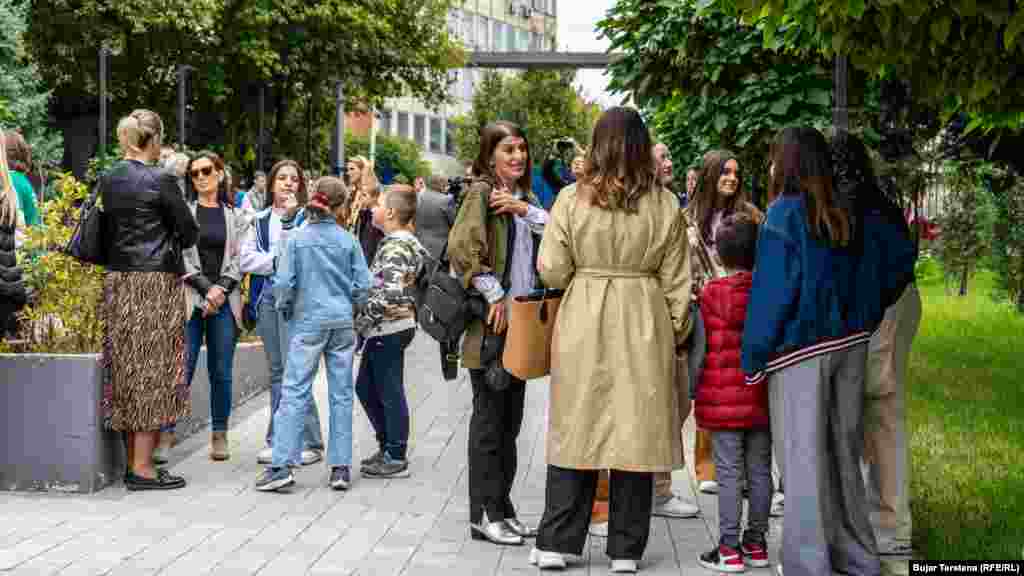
(12, 288)
(148, 227)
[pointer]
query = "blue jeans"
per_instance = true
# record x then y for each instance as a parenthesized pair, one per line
(273, 330)
(381, 389)
(337, 346)
(221, 336)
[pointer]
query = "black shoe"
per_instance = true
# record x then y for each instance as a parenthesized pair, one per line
(386, 468)
(164, 481)
(377, 457)
(340, 478)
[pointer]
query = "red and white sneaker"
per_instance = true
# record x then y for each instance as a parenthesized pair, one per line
(722, 559)
(755, 554)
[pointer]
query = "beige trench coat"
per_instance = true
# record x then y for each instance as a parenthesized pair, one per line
(614, 397)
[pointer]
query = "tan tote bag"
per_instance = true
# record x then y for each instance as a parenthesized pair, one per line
(531, 323)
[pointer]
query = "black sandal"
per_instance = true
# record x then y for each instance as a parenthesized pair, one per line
(164, 481)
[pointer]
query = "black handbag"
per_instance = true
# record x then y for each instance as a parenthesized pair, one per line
(87, 243)
(441, 302)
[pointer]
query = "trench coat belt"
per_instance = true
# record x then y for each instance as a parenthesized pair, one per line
(613, 273)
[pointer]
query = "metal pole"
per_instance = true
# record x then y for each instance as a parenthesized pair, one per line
(840, 81)
(339, 103)
(373, 135)
(182, 136)
(259, 138)
(103, 101)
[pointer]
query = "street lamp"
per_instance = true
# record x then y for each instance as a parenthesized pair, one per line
(104, 54)
(339, 127)
(182, 74)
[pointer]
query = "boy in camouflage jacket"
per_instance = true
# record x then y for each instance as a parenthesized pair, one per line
(388, 324)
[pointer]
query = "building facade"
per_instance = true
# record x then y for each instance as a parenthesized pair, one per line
(481, 25)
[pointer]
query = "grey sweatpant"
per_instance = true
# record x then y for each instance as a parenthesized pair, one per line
(827, 526)
(740, 453)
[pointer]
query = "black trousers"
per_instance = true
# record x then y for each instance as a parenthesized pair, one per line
(569, 498)
(493, 430)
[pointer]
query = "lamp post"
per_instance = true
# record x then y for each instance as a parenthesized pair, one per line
(104, 54)
(259, 138)
(339, 127)
(373, 135)
(840, 102)
(183, 71)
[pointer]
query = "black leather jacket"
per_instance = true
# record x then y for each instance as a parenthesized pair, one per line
(12, 287)
(147, 222)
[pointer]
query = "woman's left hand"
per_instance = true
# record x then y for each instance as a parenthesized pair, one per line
(502, 202)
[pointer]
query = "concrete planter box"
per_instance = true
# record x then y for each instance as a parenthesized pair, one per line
(52, 438)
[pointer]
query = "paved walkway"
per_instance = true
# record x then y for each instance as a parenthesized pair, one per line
(415, 526)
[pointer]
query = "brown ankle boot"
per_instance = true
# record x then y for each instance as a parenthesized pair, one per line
(219, 446)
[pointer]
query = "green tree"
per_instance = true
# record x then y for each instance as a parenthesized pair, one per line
(956, 54)
(24, 100)
(377, 49)
(708, 82)
(543, 102)
(394, 154)
(965, 214)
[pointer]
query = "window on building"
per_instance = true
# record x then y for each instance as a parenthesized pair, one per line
(403, 124)
(449, 138)
(420, 130)
(499, 36)
(483, 27)
(468, 80)
(455, 25)
(435, 135)
(524, 40)
(511, 38)
(385, 121)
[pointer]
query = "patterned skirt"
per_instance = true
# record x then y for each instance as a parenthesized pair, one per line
(144, 351)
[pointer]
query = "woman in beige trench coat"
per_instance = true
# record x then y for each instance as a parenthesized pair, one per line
(616, 242)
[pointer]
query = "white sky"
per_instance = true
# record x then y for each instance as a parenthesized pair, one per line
(576, 32)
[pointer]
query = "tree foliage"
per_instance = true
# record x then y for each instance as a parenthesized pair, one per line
(957, 54)
(1007, 236)
(394, 156)
(963, 222)
(709, 82)
(24, 100)
(543, 102)
(297, 49)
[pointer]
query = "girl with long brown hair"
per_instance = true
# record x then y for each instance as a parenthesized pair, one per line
(616, 245)
(803, 303)
(719, 193)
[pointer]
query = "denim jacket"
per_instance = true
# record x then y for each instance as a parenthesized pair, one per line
(322, 277)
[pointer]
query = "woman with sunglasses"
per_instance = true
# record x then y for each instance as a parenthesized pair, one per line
(213, 274)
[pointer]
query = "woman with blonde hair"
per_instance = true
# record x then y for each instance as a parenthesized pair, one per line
(148, 227)
(365, 191)
(12, 288)
(616, 244)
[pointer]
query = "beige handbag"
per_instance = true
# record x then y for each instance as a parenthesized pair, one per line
(531, 323)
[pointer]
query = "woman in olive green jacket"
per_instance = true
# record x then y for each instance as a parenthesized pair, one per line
(492, 247)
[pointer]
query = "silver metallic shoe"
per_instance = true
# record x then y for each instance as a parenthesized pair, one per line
(520, 528)
(497, 533)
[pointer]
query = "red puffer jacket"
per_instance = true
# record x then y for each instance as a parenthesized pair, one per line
(724, 400)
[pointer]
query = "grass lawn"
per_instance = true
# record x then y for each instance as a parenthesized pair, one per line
(966, 425)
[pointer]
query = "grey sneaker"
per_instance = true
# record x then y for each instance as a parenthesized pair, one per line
(274, 479)
(340, 478)
(386, 468)
(311, 456)
(378, 456)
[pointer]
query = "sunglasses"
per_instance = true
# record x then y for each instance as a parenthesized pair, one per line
(205, 171)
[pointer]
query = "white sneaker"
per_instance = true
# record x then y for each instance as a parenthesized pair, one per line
(894, 547)
(675, 507)
(778, 504)
(624, 566)
(311, 457)
(708, 487)
(547, 560)
(599, 529)
(266, 456)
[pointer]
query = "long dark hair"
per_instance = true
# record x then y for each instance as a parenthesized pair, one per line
(619, 168)
(706, 199)
(803, 167)
(301, 195)
(224, 195)
(490, 136)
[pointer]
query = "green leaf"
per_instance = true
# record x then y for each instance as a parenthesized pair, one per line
(781, 106)
(939, 28)
(1013, 29)
(856, 8)
(821, 98)
(721, 121)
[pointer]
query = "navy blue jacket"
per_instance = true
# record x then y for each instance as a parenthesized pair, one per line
(801, 301)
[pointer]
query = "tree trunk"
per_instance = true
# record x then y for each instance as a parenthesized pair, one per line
(963, 280)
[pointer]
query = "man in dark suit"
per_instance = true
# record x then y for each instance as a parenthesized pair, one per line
(433, 214)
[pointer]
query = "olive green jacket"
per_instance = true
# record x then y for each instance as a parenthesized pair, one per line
(478, 244)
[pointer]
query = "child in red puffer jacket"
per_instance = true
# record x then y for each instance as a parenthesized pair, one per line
(736, 413)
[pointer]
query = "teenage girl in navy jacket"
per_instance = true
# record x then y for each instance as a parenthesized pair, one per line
(805, 332)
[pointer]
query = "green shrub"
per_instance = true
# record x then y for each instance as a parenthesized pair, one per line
(63, 314)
